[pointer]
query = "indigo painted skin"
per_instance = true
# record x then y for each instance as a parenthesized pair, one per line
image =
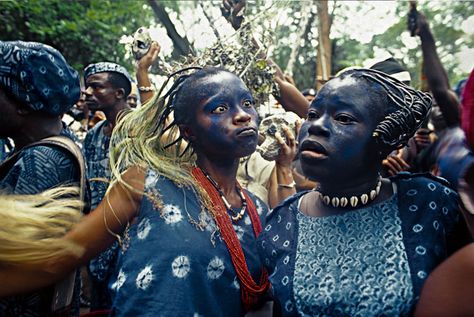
(336, 142)
(225, 125)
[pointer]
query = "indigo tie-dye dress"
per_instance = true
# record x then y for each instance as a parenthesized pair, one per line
(174, 261)
(371, 261)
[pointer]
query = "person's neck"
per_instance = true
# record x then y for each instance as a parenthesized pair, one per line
(112, 113)
(349, 186)
(39, 129)
(223, 173)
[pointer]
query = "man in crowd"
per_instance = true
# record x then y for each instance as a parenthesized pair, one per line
(107, 88)
(37, 86)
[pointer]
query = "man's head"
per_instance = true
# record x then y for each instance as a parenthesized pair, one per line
(107, 84)
(35, 81)
(392, 67)
(309, 94)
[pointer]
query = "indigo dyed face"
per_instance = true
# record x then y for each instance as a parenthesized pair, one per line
(100, 94)
(336, 140)
(225, 119)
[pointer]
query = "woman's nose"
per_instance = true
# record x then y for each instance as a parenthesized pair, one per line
(241, 115)
(319, 126)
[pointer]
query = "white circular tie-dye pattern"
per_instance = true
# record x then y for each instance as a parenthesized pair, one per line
(144, 278)
(181, 266)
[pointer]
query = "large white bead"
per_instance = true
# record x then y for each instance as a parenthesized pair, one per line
(326, 200)
(364, 199)
(373, 194)
(344, 202)
(354, 201)
(335, 202)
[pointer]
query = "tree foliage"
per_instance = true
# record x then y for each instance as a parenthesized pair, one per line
(85, 31)
(89, 30)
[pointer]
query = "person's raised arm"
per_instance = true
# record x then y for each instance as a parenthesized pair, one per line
(145, 87)
(290, 97)
(436, 74)
(94, 233)
(281, 183)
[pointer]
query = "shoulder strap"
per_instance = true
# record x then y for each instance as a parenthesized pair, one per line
(59, 141)
(63, 290)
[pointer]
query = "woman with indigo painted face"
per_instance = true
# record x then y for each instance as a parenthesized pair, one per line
(191, 248)
(359, 244)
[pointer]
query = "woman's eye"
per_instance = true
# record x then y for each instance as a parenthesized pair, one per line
(248, 104)
(312, 115)
(219, 109)
(343, 118)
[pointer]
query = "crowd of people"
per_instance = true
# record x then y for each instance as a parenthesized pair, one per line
(165, 208)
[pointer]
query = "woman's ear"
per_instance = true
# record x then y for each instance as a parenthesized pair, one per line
(187, 133)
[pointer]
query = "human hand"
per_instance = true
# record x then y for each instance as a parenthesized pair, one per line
(288, 146)
(395, 164)
(422, 26)
(233, 11)
(422, 138)
(150, 57)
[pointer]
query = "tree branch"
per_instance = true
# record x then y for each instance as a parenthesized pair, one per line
(181, 45)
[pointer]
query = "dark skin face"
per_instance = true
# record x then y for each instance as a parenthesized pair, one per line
(10, 119)
(100, 94)
(225, 125)
(336, 144)
(132, 100)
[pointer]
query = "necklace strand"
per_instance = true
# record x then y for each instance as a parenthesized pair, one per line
(250, 291)
(236, 216)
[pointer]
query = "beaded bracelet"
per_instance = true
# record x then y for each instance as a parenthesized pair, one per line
(290, 185)
(146, 89)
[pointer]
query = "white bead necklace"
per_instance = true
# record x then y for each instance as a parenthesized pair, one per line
(352, 201)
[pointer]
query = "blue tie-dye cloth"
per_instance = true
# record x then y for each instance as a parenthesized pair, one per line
(175, 263)
(96, 152)
(368, 262)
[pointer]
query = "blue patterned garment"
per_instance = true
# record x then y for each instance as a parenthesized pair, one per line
(175, 263)
(368, 262)
(4, 149)
(96, 152)
(37, 169)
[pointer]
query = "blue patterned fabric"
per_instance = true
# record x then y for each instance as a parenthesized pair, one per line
(368, 262)
(37, 169)
(175, 263)
(38, 76)
(96, 152)
(4, 149)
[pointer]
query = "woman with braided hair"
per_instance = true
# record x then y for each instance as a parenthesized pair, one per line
(187, 229)
(359, 244)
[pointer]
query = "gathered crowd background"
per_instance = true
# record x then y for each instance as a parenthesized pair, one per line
(121, 197)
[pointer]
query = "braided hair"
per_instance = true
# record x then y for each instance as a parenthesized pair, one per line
(407, 108)
(146, 138)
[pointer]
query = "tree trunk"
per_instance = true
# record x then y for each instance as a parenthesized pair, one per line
(323, 64)
(181, 45)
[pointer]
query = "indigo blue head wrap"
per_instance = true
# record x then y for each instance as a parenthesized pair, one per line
(38, 76)
(106, 67)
